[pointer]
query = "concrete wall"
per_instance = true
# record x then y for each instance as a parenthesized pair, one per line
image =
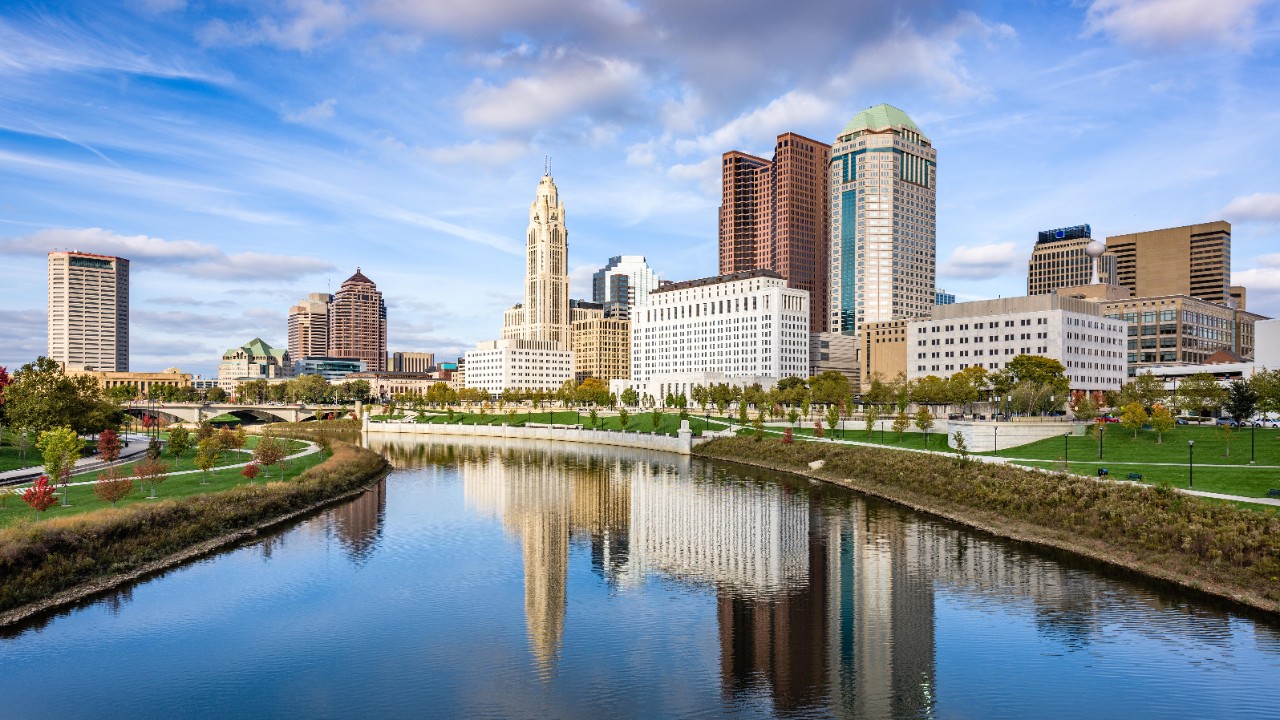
(982, 436)
(683, 444)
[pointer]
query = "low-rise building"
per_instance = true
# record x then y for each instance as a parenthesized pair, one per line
(990, 333)
(836, 352)
(145, 382)
(601, 349)
(411, 362)
(1181, 330)
(495, 365)
(254, 360)
(331, 369)
(742, 325)
(386, 386)
(883, 351)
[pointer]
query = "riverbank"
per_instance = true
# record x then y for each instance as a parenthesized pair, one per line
(1213, 548)
(49, 564)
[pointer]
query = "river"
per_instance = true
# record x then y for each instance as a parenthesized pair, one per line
(490, 578)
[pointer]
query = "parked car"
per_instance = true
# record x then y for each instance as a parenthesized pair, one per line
(1265, 423)
(1227, 421)
(1109, 418)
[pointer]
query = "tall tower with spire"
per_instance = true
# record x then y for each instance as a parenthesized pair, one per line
(544, 315)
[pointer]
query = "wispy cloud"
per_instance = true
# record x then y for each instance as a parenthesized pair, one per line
(322, 110)
(1169, 25)
(1263, 207)
(982, 262)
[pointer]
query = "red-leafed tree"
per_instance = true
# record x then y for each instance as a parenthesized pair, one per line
(5, 379)
(112, 486)
(153, 471)
(250, 471)
(787, 437)
(40, 496)
(109, 446)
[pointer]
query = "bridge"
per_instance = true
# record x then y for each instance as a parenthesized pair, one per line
(195, 412)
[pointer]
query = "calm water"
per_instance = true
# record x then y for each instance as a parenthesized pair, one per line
(501, 579)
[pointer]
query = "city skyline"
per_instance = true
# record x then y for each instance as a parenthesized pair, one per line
(240, 160)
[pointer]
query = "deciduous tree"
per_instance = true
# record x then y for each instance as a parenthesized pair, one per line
(179, 441)
(901, 423)
(149, 470)
(1242, 400)
(112, 485)
(1201, 394)
(1133, 417)
(40, 496)
(207, 452)
(250, 471)
(268, 452)
(1162, 421)
(108, 446)
(59, 448)
(924, 421)
(871, 415)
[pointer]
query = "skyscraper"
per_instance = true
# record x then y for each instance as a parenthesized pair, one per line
(625, 281)
(1191, 260)
(358, 323)
(883, 236)
(89, 311)
(309, 327)
(773, 216)
(1059, 261)
(544, 315)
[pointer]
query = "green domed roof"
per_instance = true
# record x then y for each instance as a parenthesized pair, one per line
(880, 117)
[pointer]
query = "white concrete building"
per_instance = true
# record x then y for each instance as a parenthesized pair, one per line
(990, 333)
(747, 326)
(89, 311)
(496, 365)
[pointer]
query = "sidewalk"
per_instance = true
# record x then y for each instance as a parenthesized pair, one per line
(137, 446)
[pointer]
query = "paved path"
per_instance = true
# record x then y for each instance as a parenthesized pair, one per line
(309, 450)
(994, 460)
(137, 446)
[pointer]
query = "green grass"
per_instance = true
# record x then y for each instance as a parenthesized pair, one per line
(911, 440)
(1243, 481)
(83, 499)
(669, 423)
(1118, 445)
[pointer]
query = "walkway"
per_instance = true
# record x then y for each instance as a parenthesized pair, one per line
(137, 446)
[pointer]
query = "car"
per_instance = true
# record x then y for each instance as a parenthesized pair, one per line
(1109, 419)
(1265, 423)
(1227, 421)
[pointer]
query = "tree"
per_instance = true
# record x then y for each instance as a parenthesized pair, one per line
(594, 416)
(968, 385)
(204, 430)
(151, 470)
(1084, 408)
(179, 441)
(268, 452)
(833, 416)
(108, 446)
(758, 424)
(122, 393)
(593, 390)
(1241, 401)
(742, 414)
(1225, 432)
(901, 423)
(207, 452)
(962, 448)
(829, 387)
(818, 431)
(250, 471)
(924, 421)
(793, 415)
(60, 448)
(880, 392)
(41, 397)
(630, 397)
(40, 496)
(1267, 384)
(655, 415)
(931, 390)
(1133, 417)
(1162, 421)
(1041, 370)
(1201, 394)
(112, 485)
(1146, 389)
(154, 449)
(623, 416)
(215, 394)
(872, 415)
(787, 436)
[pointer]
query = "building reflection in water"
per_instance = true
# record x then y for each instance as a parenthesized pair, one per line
(358, 524)
(825, 601)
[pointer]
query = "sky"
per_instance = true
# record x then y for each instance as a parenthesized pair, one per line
(243, 153)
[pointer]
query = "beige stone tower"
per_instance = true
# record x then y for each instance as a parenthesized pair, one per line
(544, 316)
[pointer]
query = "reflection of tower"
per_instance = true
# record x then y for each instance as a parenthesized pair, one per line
(359, 522)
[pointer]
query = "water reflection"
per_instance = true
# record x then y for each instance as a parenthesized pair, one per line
(825, 601)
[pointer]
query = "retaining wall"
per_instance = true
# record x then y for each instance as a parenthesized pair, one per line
(682, 444)
(982, 436)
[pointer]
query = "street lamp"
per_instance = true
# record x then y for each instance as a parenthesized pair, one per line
(1253, 440)
(1101, 429)
(995, 439)
(1191, 464)
(1066, 460)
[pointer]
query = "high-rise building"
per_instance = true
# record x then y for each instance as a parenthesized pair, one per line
(309, 326)
(601, 349)
(1191, 260)
(883, 212)
(543, 317)
(625, 281)
(942, 297)
(89, 311)
(773, 216)
(411, 362)
(358, 323)
(255, 360)
(1059, 261)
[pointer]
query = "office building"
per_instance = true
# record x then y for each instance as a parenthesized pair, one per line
(358, 323)
(748, 326)
(990, 333)
(942, 297)
(773, 216)
(411, 362)
(387, 386)
(834, 352)
(1238, 296)
(143, 382)
(254, 360)
(331, 369)
(883, 351)
(543, 318)
(601, 349)
(883, 232)
(89, 311)
(1180, 330)
(309, 326)
(496, 365)
(1191, 260)
(624, 282)
(1059, 260)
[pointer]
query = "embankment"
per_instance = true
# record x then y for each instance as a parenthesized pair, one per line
(1211, 547)
(44, 565)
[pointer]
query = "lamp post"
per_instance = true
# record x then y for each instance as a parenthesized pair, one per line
(1007, 402)
(1191, 463)
(995, 439)
(1101, 429)
(1066, 461)
(1253, 441)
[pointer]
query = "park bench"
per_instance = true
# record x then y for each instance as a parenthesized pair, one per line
(1135, 476)
(1273, 493)
(1103, 472)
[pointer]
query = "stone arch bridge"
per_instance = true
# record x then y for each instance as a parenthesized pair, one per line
(195, 412)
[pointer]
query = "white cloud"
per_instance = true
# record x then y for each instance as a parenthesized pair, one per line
(1169, 24)
(304, 25)
(322, 110)
(1262, 283)
(1264, 207)
(476, 152)
(184, 256)
(568, 86)
(484, 16)
(982, 262)
(580, 281)
(762, 124)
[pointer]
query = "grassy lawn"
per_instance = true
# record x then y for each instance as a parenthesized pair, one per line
(231, 457)
(11, 458)
(1231, 480)
(912, 440)
(669, 423)
(83, 500)
(1118, 445)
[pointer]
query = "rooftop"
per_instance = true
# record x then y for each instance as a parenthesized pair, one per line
(880, 117)
(700, 282)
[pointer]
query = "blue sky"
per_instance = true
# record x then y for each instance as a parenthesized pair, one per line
(244, 153)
